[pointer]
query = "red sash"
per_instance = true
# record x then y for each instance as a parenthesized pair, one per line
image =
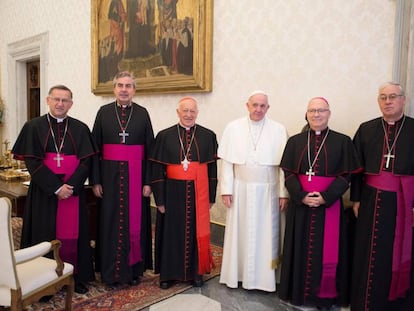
(327, 287)
(401, 257)
(198, 172)
(67, 214)
(133, 154)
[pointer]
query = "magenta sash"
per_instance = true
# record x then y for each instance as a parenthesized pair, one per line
(401, 257)
(330, 256)
(133, 154)
(67, 214)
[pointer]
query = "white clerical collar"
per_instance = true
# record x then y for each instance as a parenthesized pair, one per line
(58, 120)
(123, 106)
(392, 122)
(186, 127)
(319, 132)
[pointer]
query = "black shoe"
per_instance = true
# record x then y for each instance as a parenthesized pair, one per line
(80, 288)
(135, 281)
(45, 298)
(166, 284)
(198, 281)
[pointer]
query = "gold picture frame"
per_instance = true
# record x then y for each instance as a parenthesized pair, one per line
(173, 50)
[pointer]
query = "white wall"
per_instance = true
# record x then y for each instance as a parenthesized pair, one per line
(293, 49)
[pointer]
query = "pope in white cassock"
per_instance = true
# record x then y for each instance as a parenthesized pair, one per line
(252, 188)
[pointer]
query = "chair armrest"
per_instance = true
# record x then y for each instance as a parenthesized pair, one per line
(56, 244)
(28, 253)
(38, 250)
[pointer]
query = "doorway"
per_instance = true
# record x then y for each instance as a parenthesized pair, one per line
(33, 89)
(21, 54)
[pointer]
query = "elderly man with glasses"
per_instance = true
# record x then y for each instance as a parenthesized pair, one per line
(383, 196)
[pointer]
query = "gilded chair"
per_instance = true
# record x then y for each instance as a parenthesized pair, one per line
(25, 275)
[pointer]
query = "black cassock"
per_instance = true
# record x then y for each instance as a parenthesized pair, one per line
(375, 228)
(303, 243)
(113, 242)
(39, 219)
(175, 237)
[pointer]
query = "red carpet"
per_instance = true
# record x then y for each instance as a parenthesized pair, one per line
(123, 297)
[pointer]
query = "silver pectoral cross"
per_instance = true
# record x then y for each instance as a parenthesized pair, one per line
(310, 173)
(58, 158)
(388, 156)
(124, 135)
(185, 163)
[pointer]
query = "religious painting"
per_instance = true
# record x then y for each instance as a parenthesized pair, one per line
(166, 44)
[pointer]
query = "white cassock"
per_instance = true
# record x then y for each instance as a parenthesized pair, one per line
(251, 153)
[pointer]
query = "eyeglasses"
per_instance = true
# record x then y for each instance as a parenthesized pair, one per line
(391, 97)
(57, 100)
(319, 110)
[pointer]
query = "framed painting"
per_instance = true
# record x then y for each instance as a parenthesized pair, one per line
(166, 44)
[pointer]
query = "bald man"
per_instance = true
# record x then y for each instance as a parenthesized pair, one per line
(184, 182)
(317, 163)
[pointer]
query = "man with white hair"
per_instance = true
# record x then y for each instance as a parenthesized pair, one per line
(252, 188)
(184, 181)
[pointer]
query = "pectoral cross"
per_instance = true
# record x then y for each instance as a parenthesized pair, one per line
(58, 158)
(123, 134)
(310, 173)
(388, 156)
(185, 164)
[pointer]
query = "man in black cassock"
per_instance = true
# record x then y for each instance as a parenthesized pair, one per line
(57, 150)
(124, 135)
(184, 181)
(383, 195)
(317, 165)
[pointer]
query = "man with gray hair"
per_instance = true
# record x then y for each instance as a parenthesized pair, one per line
(252, 188)
(383, 196)
(120, 177)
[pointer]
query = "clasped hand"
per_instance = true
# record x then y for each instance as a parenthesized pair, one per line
(313, 199)
(66, 191)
